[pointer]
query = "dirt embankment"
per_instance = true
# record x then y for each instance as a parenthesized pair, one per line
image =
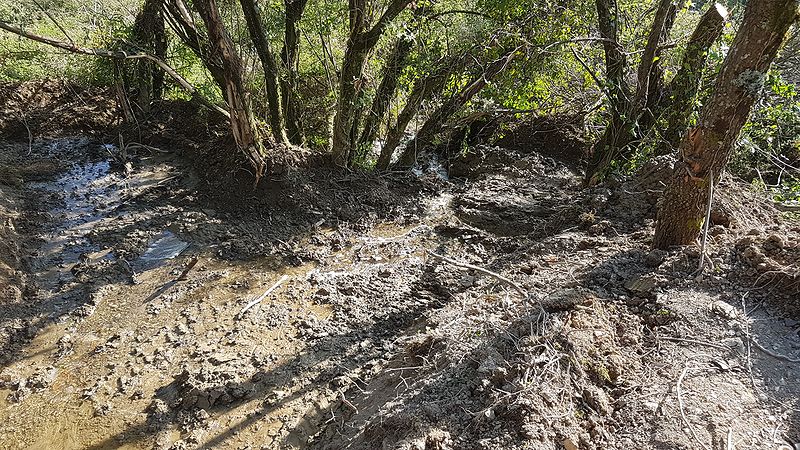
(39, 109)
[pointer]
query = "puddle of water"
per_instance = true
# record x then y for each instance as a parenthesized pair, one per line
(88, 192)
(431, 165)
(164, 246)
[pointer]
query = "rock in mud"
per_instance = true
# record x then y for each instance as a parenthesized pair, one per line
(39, 381)
(642, 285)
(209, 387)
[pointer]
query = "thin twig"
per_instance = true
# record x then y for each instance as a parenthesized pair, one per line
(495, 275)
(771, 353)
(705, 224)
(348, 402)
(263, 296)
(55, 22)
(729, 445)
(683, 413)
(24, 121)
(694, 341)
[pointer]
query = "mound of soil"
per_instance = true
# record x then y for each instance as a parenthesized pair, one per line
(39, 109)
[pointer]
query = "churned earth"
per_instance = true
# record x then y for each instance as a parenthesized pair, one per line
(128, 315)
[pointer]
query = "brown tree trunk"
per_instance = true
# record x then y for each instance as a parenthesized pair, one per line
(655, 83)
(452, 105)
(149, 35)
(705, 150)
(676, 109)
(243, 125)
(386, 90)
(180, 20)
(616, 87)
(621, 130)
(261, 43)
(423, 89)
(360, 42)
(289, 54)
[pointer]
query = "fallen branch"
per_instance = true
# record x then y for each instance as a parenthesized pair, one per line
(263, 296)
(183, 276)
(683, 413)
(771, 353)
(104, 53)
(494, 275)
(694, 341)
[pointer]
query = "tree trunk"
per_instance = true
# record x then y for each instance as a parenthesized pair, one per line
(706, 148)
(452, 105)
(621, 130)
(148, 34)
(289, 54)
(181, 22)
(676, 109)
(360, 42)
(423, 89)
(243, 125)
(386, 90)
(655, 83)
(616, 86)
(261, 43)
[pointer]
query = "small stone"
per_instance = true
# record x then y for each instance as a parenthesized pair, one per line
(655, 258)
(644, 284)
(569, 444)
(723, 309)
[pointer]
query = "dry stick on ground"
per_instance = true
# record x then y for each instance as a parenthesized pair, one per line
(497, 276)
(771, 353)
(680, 405)
(694, 341)
(263, 296)
(183, 276)
(705, 224)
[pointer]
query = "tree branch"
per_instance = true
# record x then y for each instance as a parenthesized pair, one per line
(119, 55)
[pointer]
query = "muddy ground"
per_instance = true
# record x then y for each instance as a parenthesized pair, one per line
(125, 278)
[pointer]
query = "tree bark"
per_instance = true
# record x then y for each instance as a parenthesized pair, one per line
(360, 42)
(386, 90)
(243, 125)
(149, 35)
(621, 130)
(261, 43)
(452, 105)
(423, 89)
(676, 109)
(706, 148)
(655, 82)
(288, 79)
(616, 86)
(180, 20)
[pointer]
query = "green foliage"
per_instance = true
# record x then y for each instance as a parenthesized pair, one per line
(98, 24)
(769, 147)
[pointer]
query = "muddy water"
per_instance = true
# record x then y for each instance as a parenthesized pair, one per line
(109, 376)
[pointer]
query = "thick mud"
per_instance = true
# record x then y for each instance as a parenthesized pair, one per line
(125, 323)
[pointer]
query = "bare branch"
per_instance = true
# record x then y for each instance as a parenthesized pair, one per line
(118, 54)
